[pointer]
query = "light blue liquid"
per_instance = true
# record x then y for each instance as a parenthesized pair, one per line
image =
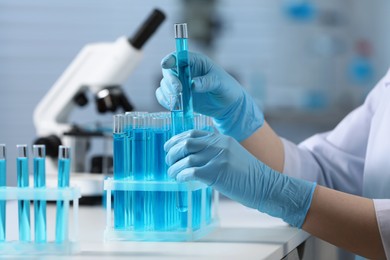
(23, 205)
(119, 174)
(209, 198)
(177, 128)
(158, 166)
(3, 177)
(177, 122)
(159, 172)
(139, 169)
(39, 205)
(196, 211)
(128, 173)
(184, 74)
(62, 215)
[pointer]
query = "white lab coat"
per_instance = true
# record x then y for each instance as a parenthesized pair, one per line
(354, 157)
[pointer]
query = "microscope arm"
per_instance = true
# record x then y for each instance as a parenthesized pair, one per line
(95, 67)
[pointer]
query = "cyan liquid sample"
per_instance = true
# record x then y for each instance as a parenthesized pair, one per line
(209, 198)
(158, 171)
(127, 151)
(177, 122)
(62, 216)
(3, 176)
(128, 214)
(39, 205)
(63, 173)
(184, 74)
(140, 202)
(177, 128)
(183, 69)
(23, 205)
(119, 174)
(158, 165)
(196, 209)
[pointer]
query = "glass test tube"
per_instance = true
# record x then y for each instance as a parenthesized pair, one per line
(177, 120)
(139, 166)
(39, 153)
(63, 182)
(23, 182)
(159, 135)
(128, 195)
(129, 138)
(3, 182)
(119, 170)
(184, 74)
(128, 220)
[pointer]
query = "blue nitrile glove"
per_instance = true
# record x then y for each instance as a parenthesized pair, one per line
(221, 162)
(215, 94)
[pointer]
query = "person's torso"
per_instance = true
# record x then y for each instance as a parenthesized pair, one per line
(376, 180)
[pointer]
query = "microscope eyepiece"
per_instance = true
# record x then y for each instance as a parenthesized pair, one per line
(147, 29)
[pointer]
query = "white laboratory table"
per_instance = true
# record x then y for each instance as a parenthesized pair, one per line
(243, 233)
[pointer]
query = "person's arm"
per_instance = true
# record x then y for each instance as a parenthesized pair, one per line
(266, 146)
(220, 161)
(345, 220)
(342, 219)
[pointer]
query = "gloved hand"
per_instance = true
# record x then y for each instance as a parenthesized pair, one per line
(215, 93)
(221, 162)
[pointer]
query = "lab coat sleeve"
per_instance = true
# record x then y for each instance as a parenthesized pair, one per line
(319, 160)
(336, 158)
(382, 208)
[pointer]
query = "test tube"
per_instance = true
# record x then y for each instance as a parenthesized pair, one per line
(3, 181)
(177, 120)
(184, 73)
(119, 170)
(128, 130)
(176, 107)
(23, 182)
(139, 166)
(159, 135)
(63, 182)
(39, 153)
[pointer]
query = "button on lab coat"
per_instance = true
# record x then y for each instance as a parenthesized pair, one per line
(354, 157)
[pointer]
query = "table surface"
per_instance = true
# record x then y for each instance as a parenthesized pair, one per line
(242, 232)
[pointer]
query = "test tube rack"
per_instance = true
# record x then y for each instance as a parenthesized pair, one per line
(67, 195)
(200, 219)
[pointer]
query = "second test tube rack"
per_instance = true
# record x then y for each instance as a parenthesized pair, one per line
(68, 245)
(39, 242)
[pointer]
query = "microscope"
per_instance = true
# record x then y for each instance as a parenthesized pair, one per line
(101, 68)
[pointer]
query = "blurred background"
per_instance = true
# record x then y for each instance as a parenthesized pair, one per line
(306, 62)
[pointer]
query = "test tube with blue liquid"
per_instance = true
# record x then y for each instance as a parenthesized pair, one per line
(159, 135)
(139, 167)
(23, 182)
(184, 75)
(119, 170)
(3, 181)
(128, 219)
(63, 182)
(177, 119)
(39, 153)
(128, 195)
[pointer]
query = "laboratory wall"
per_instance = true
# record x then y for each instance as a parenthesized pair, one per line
(307, 57)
